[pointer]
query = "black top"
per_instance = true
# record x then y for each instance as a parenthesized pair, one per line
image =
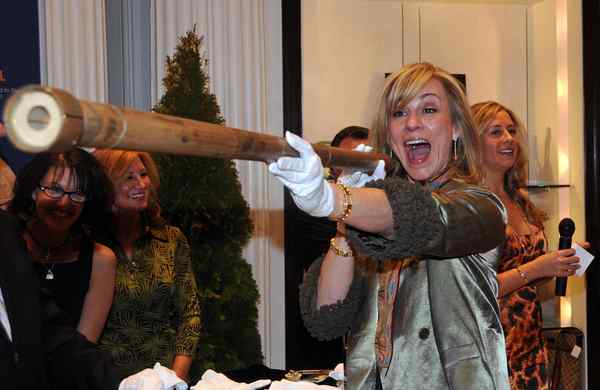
(68, 283)
(42, 348)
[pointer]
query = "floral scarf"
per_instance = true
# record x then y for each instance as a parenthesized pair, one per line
(389, 278)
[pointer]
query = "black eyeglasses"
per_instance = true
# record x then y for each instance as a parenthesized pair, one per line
(56, 192)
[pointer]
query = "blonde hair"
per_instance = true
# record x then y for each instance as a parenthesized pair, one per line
(515, 179)
(117, 162)
(404, 86)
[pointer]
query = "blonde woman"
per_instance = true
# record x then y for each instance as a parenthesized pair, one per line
(411, 276)
(156, 314)
(524, 261)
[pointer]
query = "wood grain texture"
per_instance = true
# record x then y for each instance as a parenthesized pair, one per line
(28, 116)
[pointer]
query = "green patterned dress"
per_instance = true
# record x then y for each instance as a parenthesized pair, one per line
(156, 312)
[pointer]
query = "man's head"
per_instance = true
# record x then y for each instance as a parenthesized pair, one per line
(349, 138)
(349, 135)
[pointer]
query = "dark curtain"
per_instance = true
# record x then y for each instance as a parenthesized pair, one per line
(305, 237)
(19, 62)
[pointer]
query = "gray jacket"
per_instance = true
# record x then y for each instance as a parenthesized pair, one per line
(446, 327)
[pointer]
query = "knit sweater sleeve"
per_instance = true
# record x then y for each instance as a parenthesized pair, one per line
(417, 223)
(328, 321)
(452, 221)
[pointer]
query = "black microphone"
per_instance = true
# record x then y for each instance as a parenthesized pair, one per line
(566, 228)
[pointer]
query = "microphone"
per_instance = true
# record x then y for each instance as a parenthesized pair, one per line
(566, 228)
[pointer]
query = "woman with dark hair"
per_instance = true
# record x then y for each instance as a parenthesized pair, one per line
(524, 262)
(63, 200)
(156, 313)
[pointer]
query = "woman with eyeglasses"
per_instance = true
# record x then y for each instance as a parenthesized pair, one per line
(64, 200)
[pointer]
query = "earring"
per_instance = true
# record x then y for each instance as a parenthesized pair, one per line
(390, 152)
(454, 147)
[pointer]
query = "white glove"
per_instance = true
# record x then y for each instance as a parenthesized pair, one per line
(157, 378)
(358, 178)
(212, 380)
(303, 176)
(338, 372)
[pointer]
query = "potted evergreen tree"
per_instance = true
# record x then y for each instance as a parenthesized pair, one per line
(203, 197)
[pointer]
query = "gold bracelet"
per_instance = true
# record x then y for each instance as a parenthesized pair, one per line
(522, 274)
(339, 251)
(347, 205)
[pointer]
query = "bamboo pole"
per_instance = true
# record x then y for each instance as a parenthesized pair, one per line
(41, 119)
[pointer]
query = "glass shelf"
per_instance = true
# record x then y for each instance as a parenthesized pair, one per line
(545, 186)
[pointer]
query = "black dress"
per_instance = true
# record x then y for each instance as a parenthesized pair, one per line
(68, 283)
(41, 348)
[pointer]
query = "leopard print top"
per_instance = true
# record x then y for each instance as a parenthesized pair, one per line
(521, 314)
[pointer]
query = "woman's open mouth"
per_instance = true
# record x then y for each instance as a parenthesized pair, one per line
(417, 150)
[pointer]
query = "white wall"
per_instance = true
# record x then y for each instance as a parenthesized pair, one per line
(555, 126)
(486, 42)
(348, 46)
(556, 129)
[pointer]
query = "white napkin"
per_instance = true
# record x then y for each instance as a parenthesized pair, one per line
(157, 378)
(169, 379)
(585, 258)
(338, 372)
(212, 380)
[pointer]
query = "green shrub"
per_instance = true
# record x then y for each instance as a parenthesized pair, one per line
(203, 197)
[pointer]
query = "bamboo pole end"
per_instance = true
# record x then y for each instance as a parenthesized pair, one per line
(35, 118)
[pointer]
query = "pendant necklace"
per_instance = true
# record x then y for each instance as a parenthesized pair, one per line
(46, 262)
(49, 273)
